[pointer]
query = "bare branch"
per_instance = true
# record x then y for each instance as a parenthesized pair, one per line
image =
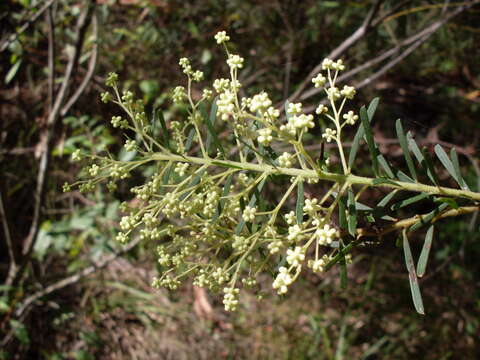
(8, 239)
(51, 59)
(91, 69)
(25, 26)
(75, 277)
(346, 44)
(81, 28)
(414, 41)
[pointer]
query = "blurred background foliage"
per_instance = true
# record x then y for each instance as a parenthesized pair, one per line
(113, 313)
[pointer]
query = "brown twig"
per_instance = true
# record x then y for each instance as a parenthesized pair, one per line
(28, 245)
(91, 69)
(414, 40)
(74, 278)
(51, 59)
(8, 239)
(11, 38)
(406, 223)
(357, 35)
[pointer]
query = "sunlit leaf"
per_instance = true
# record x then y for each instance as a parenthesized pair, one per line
(352, 213)
(385, 166)
(423, 259)
(300, 202)
(412, 276)
(406, 152)
(369, 139)
(456, 166)
(409, 201)
(360, 132)
(404, 177)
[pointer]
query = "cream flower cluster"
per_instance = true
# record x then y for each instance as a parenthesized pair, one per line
(296, 256)
(230, 299)
(265, 136)
(329, 134)
(285, 160)
(226, 104)
(222, 37)
(326, 234)
(282, 281)
(319, 264)
(235, 61)
(260, 102)
(249, 213)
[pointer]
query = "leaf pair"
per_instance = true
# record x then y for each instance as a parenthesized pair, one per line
(413, 274)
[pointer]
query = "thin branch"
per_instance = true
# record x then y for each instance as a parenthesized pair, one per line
(81, 28)
(91, 68)
(420, 38)
(406, 223)
(75, 277)
(423, 34)
(344, 46)
(11, 38)
(51, 58)
(8, 239)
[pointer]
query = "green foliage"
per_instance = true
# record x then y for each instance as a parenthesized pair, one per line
(221, 225)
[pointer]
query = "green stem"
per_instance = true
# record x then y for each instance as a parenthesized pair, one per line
(318, 174)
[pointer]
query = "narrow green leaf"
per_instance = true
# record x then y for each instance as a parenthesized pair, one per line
(362, 207)
(263, 154)
(429, 165)
(420, 157)
(166, 174)
(406, 152)
(343, 270)
(287, 115)
(385, 166)
(408, 201)
(404, 177)
(12, 72)
(166, 178)
(355, 145)
(369, 139)
(188, 143)
(372, 107)
(300, 202)
(195, 181)
(380, 209)
(225, 192)
(423, 259)
(456, 166)
(212, 134)
(428, 217)
(165, 134)
(379, 181)
(226, 165)
(451, 202)
(447, 163)
(342, 213)
(252, 202)
(387, 199)
(412, 276)
(360, 132)
(352, 213)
